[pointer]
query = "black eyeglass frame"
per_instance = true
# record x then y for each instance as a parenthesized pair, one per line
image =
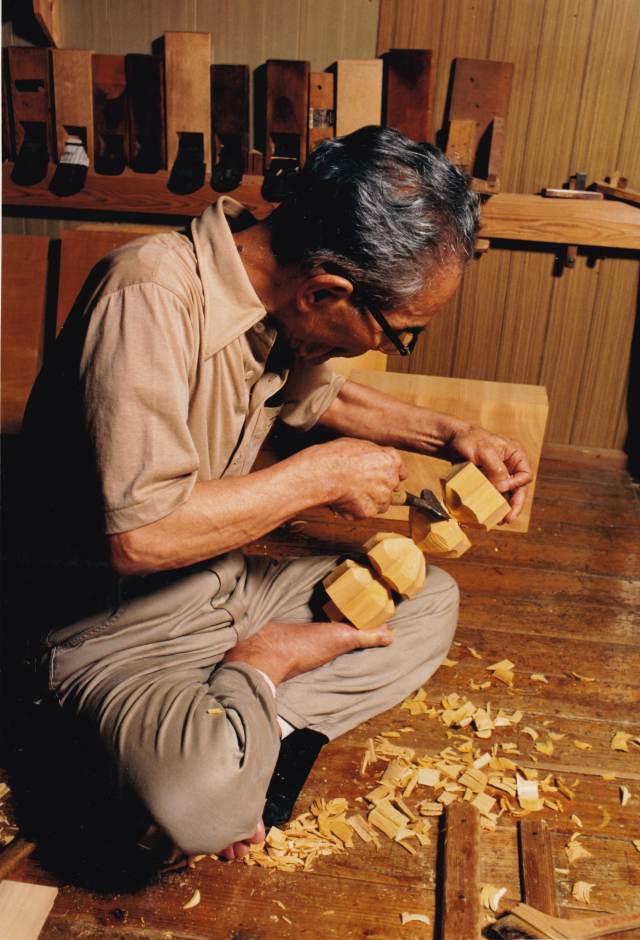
(405, 349)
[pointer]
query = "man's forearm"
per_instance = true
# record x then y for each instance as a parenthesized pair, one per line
(360, 411)
(219, 516)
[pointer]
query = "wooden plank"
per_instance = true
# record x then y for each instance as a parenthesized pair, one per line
(287, 111)
(321, 108)
(187, 60)
(145, 100)
(30, 91)
(478, 340)
(79, 253)
(24, 908)
(73, 98)
(627, 195)
(481, 93)
(408, 92)
(24, 299)
(47, 13)
(461, 889)
(533, 218)
(110, 113)
(536, 859)
(358, 89)
(516, 411)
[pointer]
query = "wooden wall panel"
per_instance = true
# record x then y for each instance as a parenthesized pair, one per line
(575, 106)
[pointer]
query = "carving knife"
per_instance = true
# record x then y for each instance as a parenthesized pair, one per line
(426, 502)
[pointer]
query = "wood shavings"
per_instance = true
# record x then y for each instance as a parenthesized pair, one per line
(620, 741)
(606, 819)
(503, 671)
(193, 901)
(526, 791)
(582, 745)
(477, 686)
(490, 896)
(625, 795)
(545, 747)
(450, 663)
(279, 903)
(214, 711)
(576, 820)
(484, 802)
(574, 851)
(636, 844)
(556, 736)
(474, 652)
(576, 675)
(608, 776)
(407, 918)
(581, 891)
(286, 919)
(533, 734)
(369, 757)
(538, 677)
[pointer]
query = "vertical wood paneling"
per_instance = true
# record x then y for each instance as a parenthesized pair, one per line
(575, 106)
(602, 386)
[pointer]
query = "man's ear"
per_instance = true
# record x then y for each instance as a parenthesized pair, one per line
(318, 288)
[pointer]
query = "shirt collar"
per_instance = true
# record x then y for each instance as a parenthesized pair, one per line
(231, 305)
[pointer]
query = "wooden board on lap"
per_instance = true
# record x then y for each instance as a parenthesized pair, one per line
(515, 411)
(24, 298)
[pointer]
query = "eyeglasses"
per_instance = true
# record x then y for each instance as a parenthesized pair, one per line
(405, 340)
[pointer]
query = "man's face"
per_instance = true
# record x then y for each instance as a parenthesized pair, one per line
(331, 326)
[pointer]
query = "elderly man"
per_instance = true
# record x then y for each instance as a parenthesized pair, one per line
(190, 660)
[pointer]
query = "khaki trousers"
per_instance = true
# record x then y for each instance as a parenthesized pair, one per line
(198, 741)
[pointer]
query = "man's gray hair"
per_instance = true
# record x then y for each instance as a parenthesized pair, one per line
(379, 209)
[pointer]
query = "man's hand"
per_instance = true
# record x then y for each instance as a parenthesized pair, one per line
(285, 650)
(503, 461)
(360, 476)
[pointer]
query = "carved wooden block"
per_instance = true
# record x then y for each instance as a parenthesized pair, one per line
(187, 60)
(470, 496)
(31, 98)
(322, 115)
(355, 595)
(398, 561)
(358, 93)
(461, 144)
(408, 92)
(145, 96)
(110, 119)
(73, 98)
(444, 538)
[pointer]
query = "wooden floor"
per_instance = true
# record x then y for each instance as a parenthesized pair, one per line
(565, 597)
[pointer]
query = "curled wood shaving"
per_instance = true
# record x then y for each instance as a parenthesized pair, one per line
(450, 662)
(407, 918)
(538, 677)
(582, 745)
(620, 741)
(581, 891)
(574, 850)
(490, 896)
(214, 711)
(576, 820)
(576, 675)
(503, 671)
(625, 795)
(545, 747)
(533, 734)
(193, 901)
(474, 652)
(606, 819)
(608, 776)
(636, 844)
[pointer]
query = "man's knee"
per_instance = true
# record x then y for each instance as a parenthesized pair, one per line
(200, 811)
(432, 615)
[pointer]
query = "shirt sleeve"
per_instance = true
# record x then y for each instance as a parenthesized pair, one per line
(135, 380)
(309, 391)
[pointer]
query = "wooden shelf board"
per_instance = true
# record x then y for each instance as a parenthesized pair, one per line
(509, 216)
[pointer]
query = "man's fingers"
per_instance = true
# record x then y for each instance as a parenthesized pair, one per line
(517, 502)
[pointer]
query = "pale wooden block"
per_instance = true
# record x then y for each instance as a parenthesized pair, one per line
(398, 561)
(358, 596)
(187, 61)
(473, 499)
(358, 94)
(514, 411)
(373, 361)
(24, 908)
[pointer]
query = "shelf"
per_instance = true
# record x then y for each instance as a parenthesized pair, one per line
(506, 216)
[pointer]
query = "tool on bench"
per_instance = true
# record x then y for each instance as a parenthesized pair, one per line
(427, 502)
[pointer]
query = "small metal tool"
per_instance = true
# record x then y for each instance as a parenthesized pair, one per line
(427, 502)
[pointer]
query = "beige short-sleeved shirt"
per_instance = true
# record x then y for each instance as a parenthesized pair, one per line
(177, 387)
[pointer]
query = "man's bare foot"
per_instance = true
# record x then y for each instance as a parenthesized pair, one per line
(284, 650)
(240, 849)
